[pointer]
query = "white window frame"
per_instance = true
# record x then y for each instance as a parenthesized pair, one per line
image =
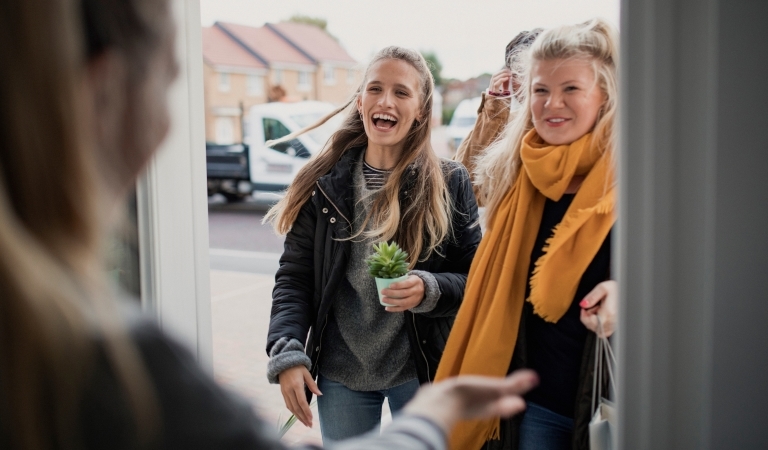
(304, 84)
(172, 205)
(329, 74)
(255, 85)
(351, 76)
(277, 77)
(225, 130)
(225, 81)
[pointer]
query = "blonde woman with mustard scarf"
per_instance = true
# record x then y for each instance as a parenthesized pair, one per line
(542, 272)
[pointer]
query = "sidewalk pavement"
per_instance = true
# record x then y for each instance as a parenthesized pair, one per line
(240, 308)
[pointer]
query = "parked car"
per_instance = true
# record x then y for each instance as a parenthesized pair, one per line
(463, 120)
(238, 170)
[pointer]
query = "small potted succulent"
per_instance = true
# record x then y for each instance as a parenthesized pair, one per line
(388, 264)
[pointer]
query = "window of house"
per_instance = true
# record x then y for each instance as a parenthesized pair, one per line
(255, 85)
(351, 76)
(225, 130)
(224, 82)
(329, 74)
(277, 76)
(304, 81)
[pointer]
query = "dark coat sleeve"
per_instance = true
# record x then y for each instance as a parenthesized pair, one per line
(196, 413)
(460, 250)
(292, 297)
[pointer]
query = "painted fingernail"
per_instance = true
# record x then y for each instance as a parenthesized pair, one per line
(583, 303)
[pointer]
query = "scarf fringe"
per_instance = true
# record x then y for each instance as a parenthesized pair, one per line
(604, 206)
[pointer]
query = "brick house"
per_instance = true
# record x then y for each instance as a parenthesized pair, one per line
(337, 74)
(234, 81)
(243, 65)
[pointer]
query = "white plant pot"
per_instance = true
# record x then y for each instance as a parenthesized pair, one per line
(383, 283)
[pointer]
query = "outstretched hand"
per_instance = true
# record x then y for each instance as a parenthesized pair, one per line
(472, 397)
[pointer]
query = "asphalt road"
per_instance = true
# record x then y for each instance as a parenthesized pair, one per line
(238, 241)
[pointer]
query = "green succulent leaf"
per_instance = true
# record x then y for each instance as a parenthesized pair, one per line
(387, 261)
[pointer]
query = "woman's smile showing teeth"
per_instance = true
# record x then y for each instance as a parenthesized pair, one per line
(384, 121)
(555, 121)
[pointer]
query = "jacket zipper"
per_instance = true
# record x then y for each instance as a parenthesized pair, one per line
(418, 343)
(320, 342)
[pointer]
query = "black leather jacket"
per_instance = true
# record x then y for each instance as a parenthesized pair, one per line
(315, 261)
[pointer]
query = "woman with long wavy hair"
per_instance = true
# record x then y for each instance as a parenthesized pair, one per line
(541, 277)
(377, 179)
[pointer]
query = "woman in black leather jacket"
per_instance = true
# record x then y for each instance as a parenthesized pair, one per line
(377, 179)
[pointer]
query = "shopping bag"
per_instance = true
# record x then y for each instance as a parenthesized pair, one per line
(603, 423)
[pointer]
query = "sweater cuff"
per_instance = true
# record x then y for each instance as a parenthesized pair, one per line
(286, 353)
(431, 292)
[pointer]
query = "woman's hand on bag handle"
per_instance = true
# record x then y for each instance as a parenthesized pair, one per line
(602, 301)
(472, 397)
(404, 295)
(292, 383)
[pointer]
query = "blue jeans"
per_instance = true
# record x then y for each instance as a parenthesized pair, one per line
(345, 413)
(542, 429)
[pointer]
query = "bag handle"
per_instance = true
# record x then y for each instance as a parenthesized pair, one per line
(603, 355)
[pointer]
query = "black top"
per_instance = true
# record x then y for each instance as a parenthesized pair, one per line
(196, 413)
(555, 350)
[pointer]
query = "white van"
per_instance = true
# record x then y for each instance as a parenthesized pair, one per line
(462, 122)
(273, 168)
(238, 170)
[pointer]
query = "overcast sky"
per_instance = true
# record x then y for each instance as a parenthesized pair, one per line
(468, 36)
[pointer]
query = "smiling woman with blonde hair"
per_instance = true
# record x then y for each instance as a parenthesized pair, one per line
(541, 277)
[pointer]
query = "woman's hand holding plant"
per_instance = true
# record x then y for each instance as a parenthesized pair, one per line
(405, 294)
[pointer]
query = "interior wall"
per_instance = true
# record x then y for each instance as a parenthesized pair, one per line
(692, 238)
(740, 335)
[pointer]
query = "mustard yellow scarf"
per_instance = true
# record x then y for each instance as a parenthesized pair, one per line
(483, 337)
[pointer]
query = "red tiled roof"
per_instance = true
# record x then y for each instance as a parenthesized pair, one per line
(267, 44)
(220, 50)
(314, 41)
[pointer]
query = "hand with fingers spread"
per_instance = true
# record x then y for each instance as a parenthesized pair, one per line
(602, 301)
(472, 397)
(292, 382)
(404, 295)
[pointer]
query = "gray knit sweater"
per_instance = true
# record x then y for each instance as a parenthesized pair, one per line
(367, 347)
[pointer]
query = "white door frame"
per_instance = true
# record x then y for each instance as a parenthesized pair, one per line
(172, 204)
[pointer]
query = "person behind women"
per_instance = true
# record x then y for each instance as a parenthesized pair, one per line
(538, 282)
(500, 100)
(377, 179)
(84, 109)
